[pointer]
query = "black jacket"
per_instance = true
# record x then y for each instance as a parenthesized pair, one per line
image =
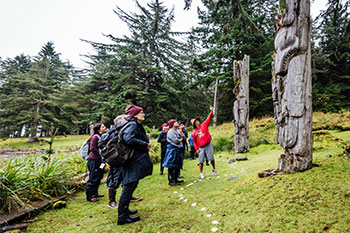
(140, 165)
(162, 140)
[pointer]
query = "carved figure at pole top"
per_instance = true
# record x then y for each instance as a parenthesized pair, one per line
(291, 85)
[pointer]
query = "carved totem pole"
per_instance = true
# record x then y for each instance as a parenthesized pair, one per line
(241, 104)
(291, 86)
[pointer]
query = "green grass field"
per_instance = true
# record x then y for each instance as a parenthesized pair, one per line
(312, 201)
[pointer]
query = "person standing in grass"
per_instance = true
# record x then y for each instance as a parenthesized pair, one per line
(192, 150)
(95, 164)
(163, 143)
(202, 142)
(182, 128)
(115, 175)
(172, 158)
(139, 166)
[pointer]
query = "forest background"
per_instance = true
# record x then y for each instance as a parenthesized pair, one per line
(170, 74)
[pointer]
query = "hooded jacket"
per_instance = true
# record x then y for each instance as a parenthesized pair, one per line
(201, 135)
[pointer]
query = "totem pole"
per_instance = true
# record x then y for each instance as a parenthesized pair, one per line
(291, 85)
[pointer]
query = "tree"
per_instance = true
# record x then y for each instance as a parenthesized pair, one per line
(331, 58)
(146, 68)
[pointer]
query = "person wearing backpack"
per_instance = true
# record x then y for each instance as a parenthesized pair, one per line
(94, 164)
(140, 164)
(115, 175)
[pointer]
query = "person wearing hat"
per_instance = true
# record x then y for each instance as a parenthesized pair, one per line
(202, 142)
(172, 158)
(139, 166)
(163, 142)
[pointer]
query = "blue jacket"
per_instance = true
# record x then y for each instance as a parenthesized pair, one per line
(140, 165)
(172, 157)
(191, 140)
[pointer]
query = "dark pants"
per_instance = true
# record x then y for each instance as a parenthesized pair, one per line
(114, 178)
(192, 152)
(95, 177)
(162, 155)
(125, 197)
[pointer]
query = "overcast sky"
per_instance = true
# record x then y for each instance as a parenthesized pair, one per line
(26, 25)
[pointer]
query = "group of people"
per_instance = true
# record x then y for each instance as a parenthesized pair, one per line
(173, 145)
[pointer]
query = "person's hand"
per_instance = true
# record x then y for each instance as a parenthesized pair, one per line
(197, 152)
(211, 108)
(148, 136)
(149, 146)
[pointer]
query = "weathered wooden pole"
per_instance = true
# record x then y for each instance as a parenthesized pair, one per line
(291, 86)
(241, 104)
(215, 118)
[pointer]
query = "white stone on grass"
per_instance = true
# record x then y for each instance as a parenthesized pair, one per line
(215, 222)
(182, 188)
(175, 192)
(185, 200)
(181, 198)
(214, 229)
(208, 215)
(203, 209)
(194, 204)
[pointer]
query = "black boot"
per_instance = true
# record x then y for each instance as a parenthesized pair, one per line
(161, 170)
(176, 174)
(171, 176)
(111, 195)
(132, 212)
(124, 217)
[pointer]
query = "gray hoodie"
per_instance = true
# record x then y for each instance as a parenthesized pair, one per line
(173, 137)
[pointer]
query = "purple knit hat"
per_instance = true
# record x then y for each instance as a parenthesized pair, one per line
(171, 123)
(133, 110)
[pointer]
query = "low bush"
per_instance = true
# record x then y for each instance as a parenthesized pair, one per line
(32, 178)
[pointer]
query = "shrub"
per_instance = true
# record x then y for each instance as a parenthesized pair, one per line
(35, 177)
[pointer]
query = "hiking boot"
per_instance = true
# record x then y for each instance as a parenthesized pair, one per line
(201, 176)
(128, 219)
(173, 183)
(179, 181)
(180, 177)
(100, 195)
(113, 205)
(214, 172)
(132, 212)
(134, 199)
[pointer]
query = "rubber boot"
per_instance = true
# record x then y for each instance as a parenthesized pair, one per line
(111, 195)
(176, 175)
(171, 176)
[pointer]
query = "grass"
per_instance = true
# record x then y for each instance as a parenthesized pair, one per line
(61, 143)
(312, 201)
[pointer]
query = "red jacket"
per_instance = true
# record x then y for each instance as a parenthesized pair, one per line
(201, 136)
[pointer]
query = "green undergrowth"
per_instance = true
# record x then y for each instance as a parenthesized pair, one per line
(309, 201)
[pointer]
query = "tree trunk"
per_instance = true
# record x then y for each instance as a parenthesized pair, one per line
(241, 105)
(215, 119)
(291, 86)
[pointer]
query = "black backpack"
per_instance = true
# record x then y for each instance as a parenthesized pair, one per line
(114, 150)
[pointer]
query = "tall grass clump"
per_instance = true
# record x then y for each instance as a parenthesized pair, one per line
(35, 177)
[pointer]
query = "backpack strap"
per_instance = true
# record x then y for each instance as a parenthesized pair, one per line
(121, 131)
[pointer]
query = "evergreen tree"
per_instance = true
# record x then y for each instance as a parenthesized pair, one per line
(228, 30)
(331, 58)
(147, 68)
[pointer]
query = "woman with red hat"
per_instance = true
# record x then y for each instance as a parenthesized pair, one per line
(140, 164)
(172, 158)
